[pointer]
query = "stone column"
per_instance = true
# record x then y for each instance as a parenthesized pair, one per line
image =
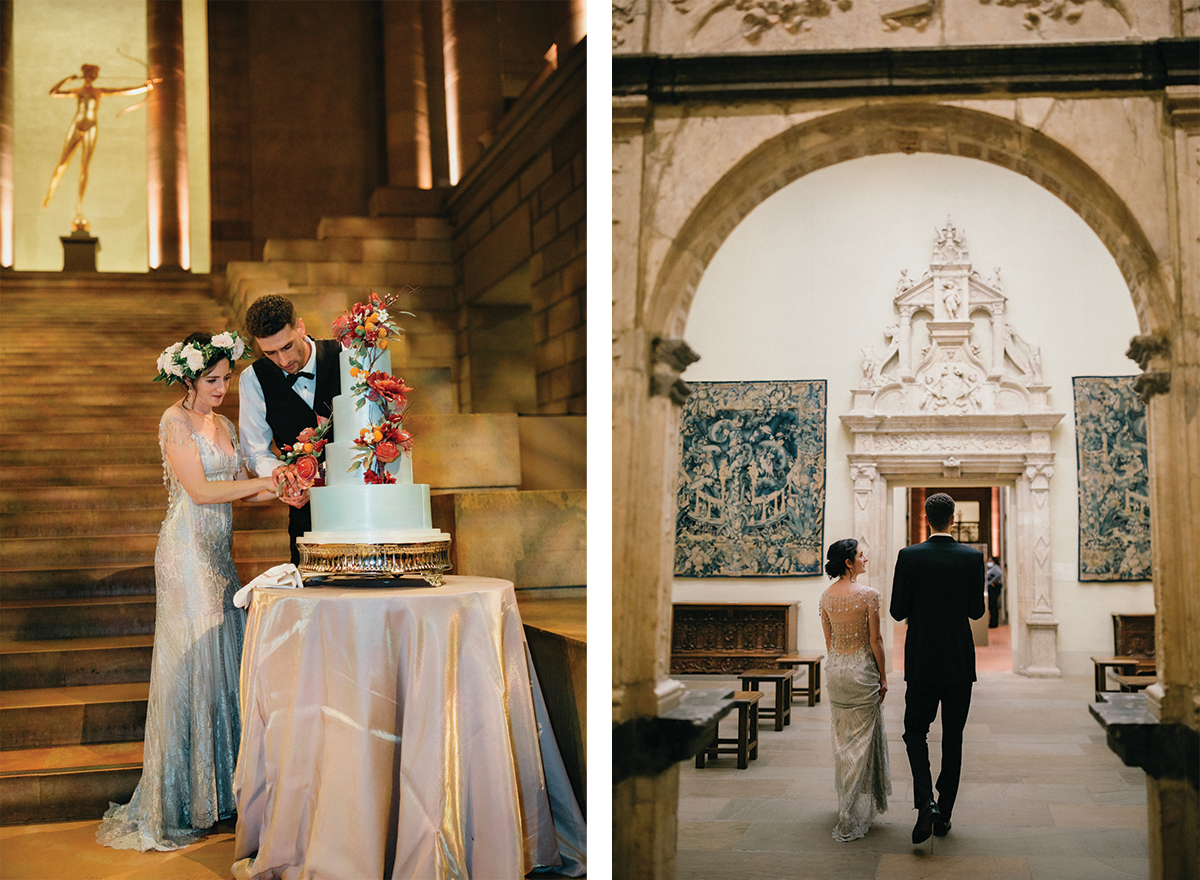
(905, 348)
(474, 99)
(1170, 384)
(6, 134)
(1039, 643)
(166, 140)
(645, 447)
(997, 341)
(406, 96)
(435, 91)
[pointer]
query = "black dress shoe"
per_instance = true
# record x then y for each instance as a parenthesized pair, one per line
(926, 816)
(941, 827)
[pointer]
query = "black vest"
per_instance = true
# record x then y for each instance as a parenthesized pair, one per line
(287, 414)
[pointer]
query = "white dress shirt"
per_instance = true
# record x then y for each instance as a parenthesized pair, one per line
(252, 413)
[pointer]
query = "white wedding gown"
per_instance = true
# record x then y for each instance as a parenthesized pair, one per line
(193, 724)
(860, 757)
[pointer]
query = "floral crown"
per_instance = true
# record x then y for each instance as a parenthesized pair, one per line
(180, 361)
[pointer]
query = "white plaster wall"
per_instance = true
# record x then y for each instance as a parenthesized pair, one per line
(807, 280)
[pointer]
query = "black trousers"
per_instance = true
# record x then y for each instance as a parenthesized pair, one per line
(994, 605)
(921, 701)
(299, 522)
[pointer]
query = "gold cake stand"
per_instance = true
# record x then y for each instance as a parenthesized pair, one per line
(429, 559)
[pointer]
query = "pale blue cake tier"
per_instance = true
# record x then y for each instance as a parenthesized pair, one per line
(339, 456)
(359, 508)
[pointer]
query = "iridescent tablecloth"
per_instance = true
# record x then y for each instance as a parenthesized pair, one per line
(397, 733)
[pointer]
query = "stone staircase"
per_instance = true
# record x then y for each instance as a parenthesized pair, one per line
(81, 501)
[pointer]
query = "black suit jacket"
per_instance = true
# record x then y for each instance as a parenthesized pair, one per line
(938, 585)
(287, 414)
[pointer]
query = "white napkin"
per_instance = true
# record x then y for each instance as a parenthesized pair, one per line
(286, 575)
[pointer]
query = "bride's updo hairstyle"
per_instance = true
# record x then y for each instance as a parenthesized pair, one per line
(840, 552)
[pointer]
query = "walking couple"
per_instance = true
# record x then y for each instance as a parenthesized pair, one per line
(937, 586)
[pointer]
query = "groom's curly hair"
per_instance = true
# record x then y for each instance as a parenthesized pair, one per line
(269, 314)
(939, 510)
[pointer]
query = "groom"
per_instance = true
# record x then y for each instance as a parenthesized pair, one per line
(283, 392)
(938, 585)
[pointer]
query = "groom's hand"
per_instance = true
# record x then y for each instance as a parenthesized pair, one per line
(297, 499)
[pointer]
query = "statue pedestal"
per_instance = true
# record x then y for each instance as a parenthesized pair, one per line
(79, 251)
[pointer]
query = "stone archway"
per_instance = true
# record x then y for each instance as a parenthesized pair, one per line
(873, 129)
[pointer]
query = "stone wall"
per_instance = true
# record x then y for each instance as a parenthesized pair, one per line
(520, 238)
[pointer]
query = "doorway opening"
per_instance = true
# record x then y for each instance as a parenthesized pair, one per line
(980, 519)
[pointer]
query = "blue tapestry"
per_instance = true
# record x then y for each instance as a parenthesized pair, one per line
(751, 497)
(1114, 484)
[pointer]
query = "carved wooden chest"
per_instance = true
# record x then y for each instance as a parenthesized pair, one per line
(731, 637)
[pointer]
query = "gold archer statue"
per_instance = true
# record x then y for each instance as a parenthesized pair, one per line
(83, 128)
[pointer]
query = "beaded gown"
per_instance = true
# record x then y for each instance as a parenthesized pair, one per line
(860, 758)
(192, 718)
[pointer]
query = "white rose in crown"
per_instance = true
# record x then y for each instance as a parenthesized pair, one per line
(222, 340)
(194, 357)
(164, 361)
(174, 369)
(239, 348)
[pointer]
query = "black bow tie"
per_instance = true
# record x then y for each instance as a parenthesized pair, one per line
(293, 377)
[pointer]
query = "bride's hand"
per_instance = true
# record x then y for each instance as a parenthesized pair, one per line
(882, 690)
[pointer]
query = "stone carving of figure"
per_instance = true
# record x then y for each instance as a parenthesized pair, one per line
(904, 283)
(994, 281)
(83, 129)
(870, 368)
(952, 302)
(1022, 354)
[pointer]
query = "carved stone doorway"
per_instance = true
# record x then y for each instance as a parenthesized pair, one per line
(957, 398)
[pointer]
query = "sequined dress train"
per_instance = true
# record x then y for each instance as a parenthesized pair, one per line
(192, 718)
(860, 758)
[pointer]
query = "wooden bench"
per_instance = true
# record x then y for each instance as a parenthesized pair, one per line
(782, 711)
(1123, 665)
(812, 689)
(1132, 684)
(745, 744)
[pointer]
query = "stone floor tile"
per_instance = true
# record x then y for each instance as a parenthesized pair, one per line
(817, 837)
(1122, 797)
(732, 787)
(1024, 792)
(710, 835)
(1098, 816)
(1086, 868)
(718, 865)
(1000, 840)
(1001, 811)
(700, 809)
(755, 810)
(923, 867)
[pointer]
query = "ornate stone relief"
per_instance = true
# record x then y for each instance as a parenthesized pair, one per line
(760, 16)
(964, 367)
(1069, 11)
(623, 13)
(907, 13)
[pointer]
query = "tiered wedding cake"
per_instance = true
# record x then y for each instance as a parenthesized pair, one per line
(370, 519)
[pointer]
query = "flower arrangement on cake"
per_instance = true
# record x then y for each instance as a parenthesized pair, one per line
(302, 458)
(364, 331)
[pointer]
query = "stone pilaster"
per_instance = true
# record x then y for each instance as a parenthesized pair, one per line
(1039, 639)
(406, 96)
(166, 135)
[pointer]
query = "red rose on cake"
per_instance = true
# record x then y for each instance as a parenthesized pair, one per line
(387, 451)
(372, 478)
(307, 470)
(386, 386)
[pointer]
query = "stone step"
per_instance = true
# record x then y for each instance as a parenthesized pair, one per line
(384, 227)
(363, 274)
(123, 550)
(53, 458)
(407, 201)
(103, 581)
(534, 539)
(116, 442)
(78, 662)
(89, 425)
(59, 413)
(65, 523)
(59, 498)
(42, 717)
(101, 475)
(53, 789)
(39, 620)
(53, 387)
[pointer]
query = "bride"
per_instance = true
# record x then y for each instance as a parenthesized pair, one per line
(192, 718)
(856, 684)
